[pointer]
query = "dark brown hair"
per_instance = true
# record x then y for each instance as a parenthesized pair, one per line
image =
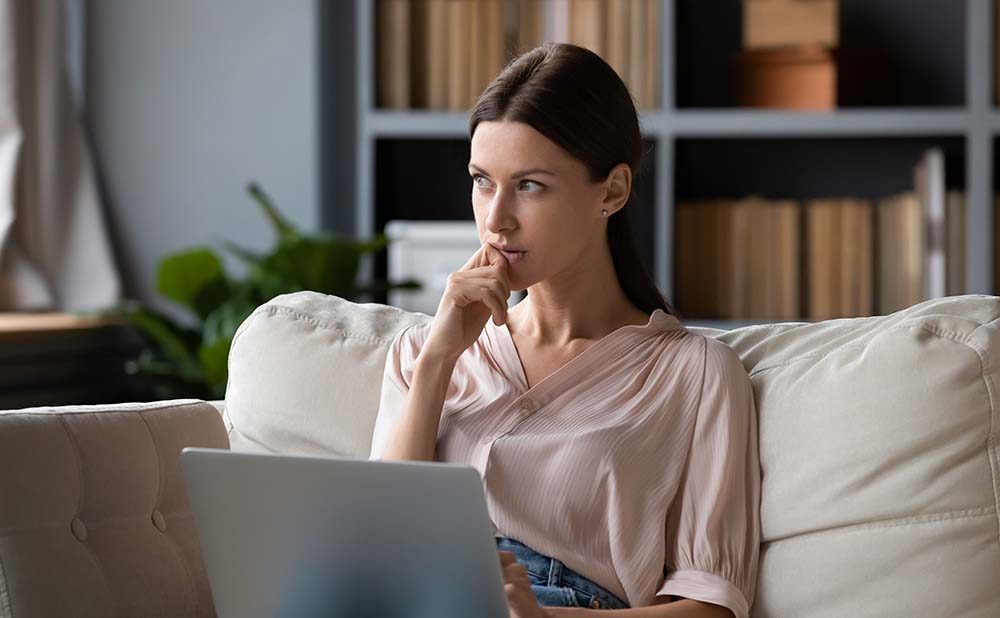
(573, 97)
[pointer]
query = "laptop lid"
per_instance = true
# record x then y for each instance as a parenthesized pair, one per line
(330, 536)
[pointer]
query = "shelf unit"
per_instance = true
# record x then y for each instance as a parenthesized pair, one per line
(976, 123)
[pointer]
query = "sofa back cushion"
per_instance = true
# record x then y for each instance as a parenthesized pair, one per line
(879, 461)
(305, 371)
(94, 515)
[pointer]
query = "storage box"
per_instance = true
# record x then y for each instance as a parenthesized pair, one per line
(802, 77)
(769, 23)
(814, 77)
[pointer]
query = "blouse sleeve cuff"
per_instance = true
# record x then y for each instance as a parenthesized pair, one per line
(707, 587)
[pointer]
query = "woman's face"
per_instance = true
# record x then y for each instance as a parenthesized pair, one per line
(530, 195)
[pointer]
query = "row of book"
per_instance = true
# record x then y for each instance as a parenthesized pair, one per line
(821, 259)
(441, 54)
(824, 258)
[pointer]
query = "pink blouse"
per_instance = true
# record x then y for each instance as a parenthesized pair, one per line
(635, 463)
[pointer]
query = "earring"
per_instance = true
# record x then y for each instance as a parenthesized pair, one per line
(604, 212)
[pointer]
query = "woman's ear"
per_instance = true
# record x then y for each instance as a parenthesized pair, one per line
(617, 188)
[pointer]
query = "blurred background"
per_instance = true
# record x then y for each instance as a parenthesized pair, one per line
(166, 167)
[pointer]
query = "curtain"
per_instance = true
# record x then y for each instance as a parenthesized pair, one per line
(55, 250)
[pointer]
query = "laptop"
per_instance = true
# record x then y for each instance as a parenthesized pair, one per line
(339, 537)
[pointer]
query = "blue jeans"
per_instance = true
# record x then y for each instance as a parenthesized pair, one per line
(555, 585)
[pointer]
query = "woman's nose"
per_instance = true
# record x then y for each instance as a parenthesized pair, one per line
(498, 213)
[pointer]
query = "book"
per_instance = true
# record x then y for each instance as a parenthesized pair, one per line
(637, 52)
(586, 24)
(911, 231)
(531, 24)
(459, 39)
(786, 260)
(857, 264)
(392, 55)
(955, 223)
(734, 248)
(929, 184)
(900, 239)
(419, 41)
(651, 58)
(616, 42)
(823, 259)
(755, 249)
(436, 53)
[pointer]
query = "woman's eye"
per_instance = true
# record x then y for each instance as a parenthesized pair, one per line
(529, 185)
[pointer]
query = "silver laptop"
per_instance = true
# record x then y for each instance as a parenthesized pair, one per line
(340, 537)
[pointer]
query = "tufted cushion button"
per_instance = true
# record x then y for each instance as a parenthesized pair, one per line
(159, 521)
(78, 529)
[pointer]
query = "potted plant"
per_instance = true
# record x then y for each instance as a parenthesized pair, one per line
(192, 361)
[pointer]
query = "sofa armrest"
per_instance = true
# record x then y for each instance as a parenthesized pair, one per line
(94, 512)
(220, 407)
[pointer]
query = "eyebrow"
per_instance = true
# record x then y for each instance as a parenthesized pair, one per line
(534, 170)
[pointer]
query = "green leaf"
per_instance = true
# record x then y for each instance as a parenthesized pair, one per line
(377, 243)
(214, 358)
(226, 319)
(285, 229)
(383, 286)
(175, 343)
(184, 276)
(320, 264)
(249, 257)
(162, 377)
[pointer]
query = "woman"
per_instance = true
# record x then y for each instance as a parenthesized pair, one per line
(618, 450)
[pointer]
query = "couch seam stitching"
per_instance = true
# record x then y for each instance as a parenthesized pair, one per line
(100, 409)
(964, 339)
(272, 309)
(894, 522)
(868, 318)
(991, 443)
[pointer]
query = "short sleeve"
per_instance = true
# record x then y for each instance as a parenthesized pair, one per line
(713, 527)
(396, 378)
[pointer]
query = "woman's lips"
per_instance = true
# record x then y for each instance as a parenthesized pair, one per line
(513, 257)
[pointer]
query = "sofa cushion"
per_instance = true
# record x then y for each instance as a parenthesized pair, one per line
(305, 371)
(879, 461)
(94, 515)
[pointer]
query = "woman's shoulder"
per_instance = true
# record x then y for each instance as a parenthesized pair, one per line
(701, 352)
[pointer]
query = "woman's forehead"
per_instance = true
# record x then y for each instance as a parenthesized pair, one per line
(501, 146)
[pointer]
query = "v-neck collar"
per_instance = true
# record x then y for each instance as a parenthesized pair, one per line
(659, 320)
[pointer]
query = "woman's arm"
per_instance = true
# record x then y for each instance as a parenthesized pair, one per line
(684, 608)
(415, 436)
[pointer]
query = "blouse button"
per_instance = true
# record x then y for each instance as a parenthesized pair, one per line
(527, 404)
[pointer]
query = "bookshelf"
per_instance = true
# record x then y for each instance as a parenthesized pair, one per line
(956, 112)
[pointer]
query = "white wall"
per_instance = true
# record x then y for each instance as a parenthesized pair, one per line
(188, 100)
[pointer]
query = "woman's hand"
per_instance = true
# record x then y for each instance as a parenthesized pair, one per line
(474, 292)
(521, 600)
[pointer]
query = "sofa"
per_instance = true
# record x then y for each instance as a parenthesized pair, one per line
(878, 450)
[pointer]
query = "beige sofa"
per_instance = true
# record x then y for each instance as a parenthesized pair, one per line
(878, 448)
